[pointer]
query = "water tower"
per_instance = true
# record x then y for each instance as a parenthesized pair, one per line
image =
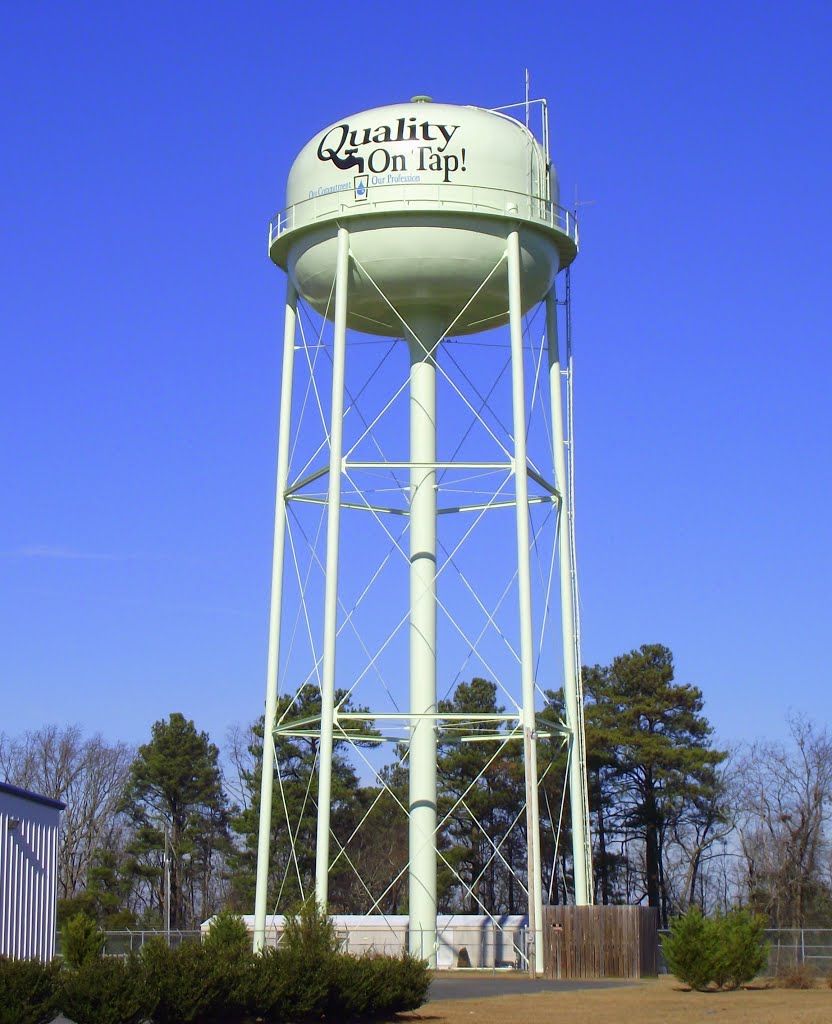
(417, 226)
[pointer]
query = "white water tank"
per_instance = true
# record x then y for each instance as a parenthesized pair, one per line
(428, 192)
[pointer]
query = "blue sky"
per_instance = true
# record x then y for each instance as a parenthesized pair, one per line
(145, 149)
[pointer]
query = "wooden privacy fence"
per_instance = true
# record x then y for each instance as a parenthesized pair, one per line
(600, 942)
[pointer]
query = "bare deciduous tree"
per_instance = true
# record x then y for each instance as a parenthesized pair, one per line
(697, 835)
(88, 775)
(785, 814)
(241, 742)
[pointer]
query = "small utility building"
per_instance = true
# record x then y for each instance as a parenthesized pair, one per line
(29, 837)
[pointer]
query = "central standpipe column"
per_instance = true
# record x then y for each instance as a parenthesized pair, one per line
(524, 593)
(578, 797)
(422, 800)
(333, 511)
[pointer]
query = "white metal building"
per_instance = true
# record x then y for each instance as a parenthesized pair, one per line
(462, 940)
(29, 837)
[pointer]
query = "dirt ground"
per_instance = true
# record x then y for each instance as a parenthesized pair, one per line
(661, 1001)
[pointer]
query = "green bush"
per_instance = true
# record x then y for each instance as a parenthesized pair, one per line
(266, 990)
(725, 950)
(691, 949)
(194, 984)
(309, 933)
(106, 991)
(228, 932)
(407, 985)
(28, 991)
(81, 940)
(307, 979)
(308, 961)
(281, 987)
(372, 985)
(743, 949)
(217, 982)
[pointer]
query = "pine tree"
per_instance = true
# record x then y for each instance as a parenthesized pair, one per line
(176, 788)
(649, 740)
(294, 815)
(481, 793)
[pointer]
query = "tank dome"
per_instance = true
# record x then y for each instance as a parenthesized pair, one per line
(428, 192)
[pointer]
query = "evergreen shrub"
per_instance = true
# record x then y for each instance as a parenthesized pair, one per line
(268, 990)
(725, 951)
(309, 933)
(106, 990)
(309, 961)
(743, 949)
(217, 982)
(228, 932)
(691, 949)
(372, 985)
(307, 979)
(282, 987)
(28, 991)
(195, 984)
(81, 940)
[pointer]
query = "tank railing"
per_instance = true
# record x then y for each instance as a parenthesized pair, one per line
(425, 197)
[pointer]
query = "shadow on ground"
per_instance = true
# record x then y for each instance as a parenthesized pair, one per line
(481, 985)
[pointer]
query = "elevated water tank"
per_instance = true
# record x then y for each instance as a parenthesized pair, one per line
(428, 192)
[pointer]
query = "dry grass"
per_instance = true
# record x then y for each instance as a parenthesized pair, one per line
(664, 1001)
(798, 976)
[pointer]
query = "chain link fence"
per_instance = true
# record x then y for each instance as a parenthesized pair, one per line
(495, 948)
(795, 947)
(488, 947)
(121, 943)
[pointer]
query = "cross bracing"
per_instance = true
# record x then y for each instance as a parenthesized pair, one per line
(451, 562)
(363, 462)
(455, 726)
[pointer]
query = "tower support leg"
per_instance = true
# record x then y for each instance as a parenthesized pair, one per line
(333, 512)
(535, 881)
(578, 797)
(267, 779)
(422, 761)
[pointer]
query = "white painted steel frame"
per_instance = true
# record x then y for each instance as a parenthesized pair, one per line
(336, 436)
(524, 593)
(275, 611)
(572, 689)
(423, 511)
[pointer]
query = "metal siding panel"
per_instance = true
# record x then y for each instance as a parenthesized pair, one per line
(14, 944)
(50, 891)
(37, 894)
(18, 881)
(28, 856)
(4, 883)
(25, 891)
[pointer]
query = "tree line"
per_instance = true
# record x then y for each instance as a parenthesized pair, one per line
(676, 822)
